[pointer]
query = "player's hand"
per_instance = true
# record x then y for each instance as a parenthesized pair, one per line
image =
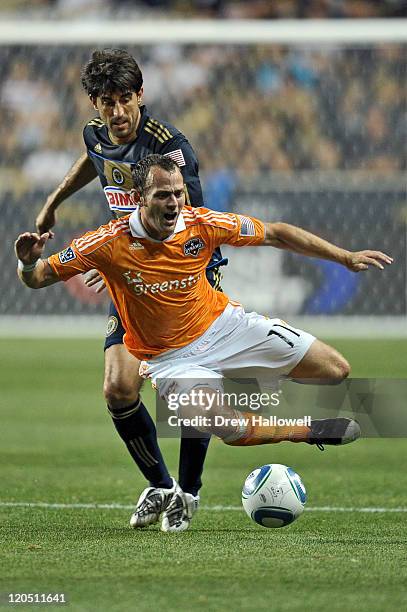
(29, 246)
(46, 219)
(93, 278)
(362, 260)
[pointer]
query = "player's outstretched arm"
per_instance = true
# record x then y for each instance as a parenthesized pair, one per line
(292, 238)
(32, 270)
(82, 172)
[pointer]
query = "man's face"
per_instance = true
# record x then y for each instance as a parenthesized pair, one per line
(121, 113)
(162, 203)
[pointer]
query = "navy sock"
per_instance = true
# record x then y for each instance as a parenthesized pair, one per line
(192, 455)
(136, 428)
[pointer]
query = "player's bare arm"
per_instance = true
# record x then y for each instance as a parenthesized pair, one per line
(292, 238)
(82, 172)
(32, 270)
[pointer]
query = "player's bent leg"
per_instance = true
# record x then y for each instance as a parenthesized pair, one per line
(322, 364)
(237, 428)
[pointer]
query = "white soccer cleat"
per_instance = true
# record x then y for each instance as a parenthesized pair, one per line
(179, 512)
(152, 502)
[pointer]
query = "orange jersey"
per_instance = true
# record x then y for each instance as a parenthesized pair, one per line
(159, 287)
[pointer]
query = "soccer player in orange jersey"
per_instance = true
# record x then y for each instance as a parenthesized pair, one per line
(153, 262)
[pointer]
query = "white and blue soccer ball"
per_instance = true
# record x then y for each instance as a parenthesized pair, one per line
(274, 495)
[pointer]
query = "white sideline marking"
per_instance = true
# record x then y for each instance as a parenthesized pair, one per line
(207, 508)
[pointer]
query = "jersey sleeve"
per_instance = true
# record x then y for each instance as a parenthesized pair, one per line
(234, 229)
(80, 256)
(182, 152)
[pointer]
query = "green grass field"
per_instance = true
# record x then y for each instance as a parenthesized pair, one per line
(58, 446)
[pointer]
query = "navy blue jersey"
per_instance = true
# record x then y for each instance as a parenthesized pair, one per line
(113, 162)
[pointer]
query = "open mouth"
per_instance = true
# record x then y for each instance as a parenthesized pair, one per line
(170, 216)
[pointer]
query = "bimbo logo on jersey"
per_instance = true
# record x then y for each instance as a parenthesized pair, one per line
(140, 287)
(119, 199)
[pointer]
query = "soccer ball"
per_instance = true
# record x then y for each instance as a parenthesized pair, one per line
(273, 495)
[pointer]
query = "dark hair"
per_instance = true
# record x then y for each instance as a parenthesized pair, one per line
(141, 170)
(111, 70)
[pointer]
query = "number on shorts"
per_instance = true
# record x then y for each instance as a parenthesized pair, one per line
(282, 336)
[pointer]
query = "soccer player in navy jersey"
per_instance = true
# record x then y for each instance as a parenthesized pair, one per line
(115, 140)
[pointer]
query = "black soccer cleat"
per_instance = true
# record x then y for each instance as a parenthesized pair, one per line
(333, 432)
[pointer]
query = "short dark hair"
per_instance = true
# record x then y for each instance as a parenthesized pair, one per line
(141, 170)
(111, 70)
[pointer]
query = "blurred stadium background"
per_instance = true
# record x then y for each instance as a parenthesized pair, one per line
(302, 121)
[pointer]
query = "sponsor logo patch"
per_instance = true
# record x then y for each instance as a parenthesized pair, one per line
(66, 255)
(139, 286)
(177, 156)
(193, 246)
(112, 324)
(247, 226)
(118, 199)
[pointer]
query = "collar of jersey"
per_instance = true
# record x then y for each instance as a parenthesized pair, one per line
(137, 230)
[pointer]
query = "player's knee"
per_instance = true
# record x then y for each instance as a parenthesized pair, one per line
(338, 370)
(345, 366)
(120, 392)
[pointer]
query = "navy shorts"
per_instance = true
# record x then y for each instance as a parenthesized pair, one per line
(115, 329)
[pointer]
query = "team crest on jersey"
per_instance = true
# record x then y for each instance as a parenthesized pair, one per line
(193, 246)
(97, 148)
(67, 255)
(117, 176)
(112, 325)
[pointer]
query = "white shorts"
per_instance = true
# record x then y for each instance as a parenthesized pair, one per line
(236, 345)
